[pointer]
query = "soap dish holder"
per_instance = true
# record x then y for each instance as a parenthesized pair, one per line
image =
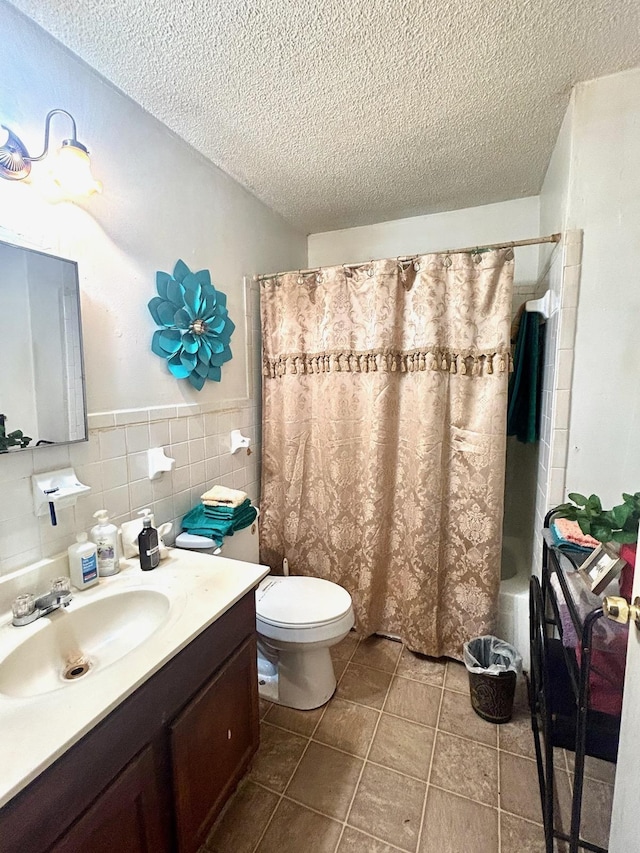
(60, 488)
(159, 462)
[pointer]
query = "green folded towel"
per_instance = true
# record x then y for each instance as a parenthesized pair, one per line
(199, 522)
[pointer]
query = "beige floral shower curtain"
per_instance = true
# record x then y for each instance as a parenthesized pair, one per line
(384, 405)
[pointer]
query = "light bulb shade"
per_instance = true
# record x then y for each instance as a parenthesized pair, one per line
(14, 159)
(72, 171)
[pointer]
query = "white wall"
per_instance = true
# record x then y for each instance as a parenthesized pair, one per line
(593, 183)
(554, 196)
(161, 201)
(604, 200)
(473, 226)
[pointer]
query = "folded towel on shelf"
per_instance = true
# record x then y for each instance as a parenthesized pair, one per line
(568, 534)
(226, 512)
(223, 496)
(205, 521)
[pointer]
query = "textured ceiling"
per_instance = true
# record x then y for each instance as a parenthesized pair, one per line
(347, 112)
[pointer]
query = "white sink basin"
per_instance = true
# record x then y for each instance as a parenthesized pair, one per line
(70, 644)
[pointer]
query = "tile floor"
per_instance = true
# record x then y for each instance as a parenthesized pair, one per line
(398, 761)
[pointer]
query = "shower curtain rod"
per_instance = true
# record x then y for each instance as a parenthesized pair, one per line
(533, 241)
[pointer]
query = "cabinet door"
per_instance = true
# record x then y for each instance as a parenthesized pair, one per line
(127, 816)
(212, 742)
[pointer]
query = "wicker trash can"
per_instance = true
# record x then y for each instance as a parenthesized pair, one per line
(493, 667)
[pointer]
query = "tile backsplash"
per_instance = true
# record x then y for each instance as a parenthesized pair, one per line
(113, 462)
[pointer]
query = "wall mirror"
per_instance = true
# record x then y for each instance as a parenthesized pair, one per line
(42, 391)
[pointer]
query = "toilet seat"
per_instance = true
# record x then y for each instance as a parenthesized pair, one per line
(300, 603)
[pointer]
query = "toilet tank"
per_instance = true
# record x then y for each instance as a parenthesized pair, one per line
(243, 545)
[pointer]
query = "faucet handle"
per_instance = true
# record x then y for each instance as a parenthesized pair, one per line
(61, 586)
(23, 605)
(61, 589)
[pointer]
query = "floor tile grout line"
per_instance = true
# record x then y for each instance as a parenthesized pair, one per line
(463, 797)
(389, 713)
(375, 710)
(285, 796)
(372, 738)
(433, 751)
(414, 722)
(402, 675)
(310, 738)
(291, 775)
(469, 740)
(343, 824)
(521, 817)
(566, 764)
(431, 785)
(304, 751)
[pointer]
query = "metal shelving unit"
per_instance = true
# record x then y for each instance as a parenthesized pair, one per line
(559, 686)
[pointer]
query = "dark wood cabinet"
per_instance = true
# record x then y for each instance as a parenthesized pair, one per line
(126, 816)
(155, 773)
(212, 742)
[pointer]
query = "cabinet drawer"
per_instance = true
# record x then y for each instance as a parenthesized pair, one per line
(212, 742)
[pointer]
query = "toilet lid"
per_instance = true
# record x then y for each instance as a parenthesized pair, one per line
(300, 601)
(194, 542)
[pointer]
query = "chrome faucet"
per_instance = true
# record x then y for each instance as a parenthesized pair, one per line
(27, 607)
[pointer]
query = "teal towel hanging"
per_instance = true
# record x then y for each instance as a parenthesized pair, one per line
(525, 385)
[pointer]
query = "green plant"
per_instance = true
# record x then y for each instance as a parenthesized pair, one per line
(619, 524)
(13, 439)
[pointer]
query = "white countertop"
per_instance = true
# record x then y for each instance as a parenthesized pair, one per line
(36, 730)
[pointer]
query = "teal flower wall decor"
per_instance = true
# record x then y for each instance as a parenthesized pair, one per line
(196, 327)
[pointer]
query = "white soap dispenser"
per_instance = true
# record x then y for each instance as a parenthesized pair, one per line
(105, 535)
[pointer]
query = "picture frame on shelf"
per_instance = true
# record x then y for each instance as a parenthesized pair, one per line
(600, 568)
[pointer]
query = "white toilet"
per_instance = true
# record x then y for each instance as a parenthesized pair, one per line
(298, 619)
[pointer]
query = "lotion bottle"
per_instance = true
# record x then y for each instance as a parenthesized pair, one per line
(83, 562)
(148, 543)
(105, 536)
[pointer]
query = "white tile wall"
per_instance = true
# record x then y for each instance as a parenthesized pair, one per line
(563, 278)
(114, 463)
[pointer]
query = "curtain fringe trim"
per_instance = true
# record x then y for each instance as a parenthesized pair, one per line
(464, 362)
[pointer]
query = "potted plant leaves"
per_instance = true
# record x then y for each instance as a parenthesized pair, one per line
(617, 527)
(13, 439)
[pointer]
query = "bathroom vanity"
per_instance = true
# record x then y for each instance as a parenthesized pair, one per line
(154, 772)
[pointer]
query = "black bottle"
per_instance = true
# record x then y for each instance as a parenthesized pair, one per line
(148, 543)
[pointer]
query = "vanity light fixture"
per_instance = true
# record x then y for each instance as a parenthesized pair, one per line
(72, 172)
